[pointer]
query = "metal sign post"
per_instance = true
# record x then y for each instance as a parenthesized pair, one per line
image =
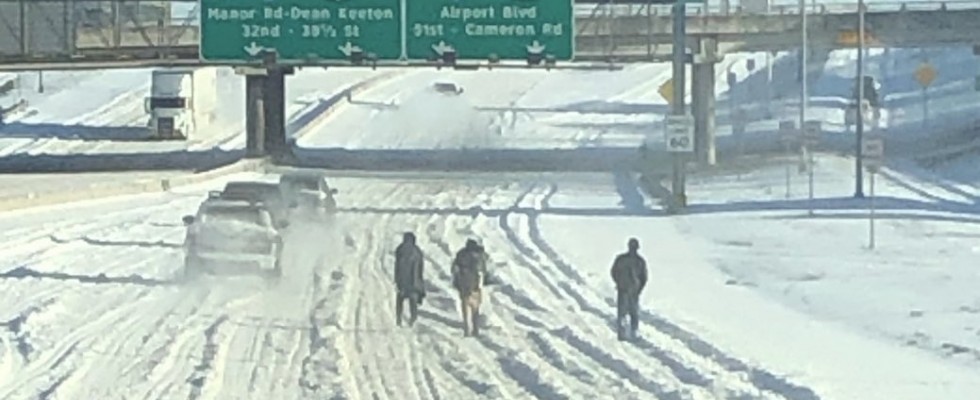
(738, 130)
(738, 123)
(925, 74)
(679, 139)
(811, 137)
(873, 148)
(859, 122)
(679, 52)
(787, 134)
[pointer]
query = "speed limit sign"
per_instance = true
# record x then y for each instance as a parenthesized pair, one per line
(679, 133)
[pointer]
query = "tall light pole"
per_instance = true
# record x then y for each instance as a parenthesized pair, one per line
(803, 98)
(859, 126)
(803, 62)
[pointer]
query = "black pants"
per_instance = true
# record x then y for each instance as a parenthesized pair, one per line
(627, 303)
(413, 306)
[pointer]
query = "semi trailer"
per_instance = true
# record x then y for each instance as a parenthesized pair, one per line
(182, 102)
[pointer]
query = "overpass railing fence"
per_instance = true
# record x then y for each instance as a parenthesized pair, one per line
(44, 28)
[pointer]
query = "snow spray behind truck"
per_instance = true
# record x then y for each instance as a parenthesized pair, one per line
(182, 102)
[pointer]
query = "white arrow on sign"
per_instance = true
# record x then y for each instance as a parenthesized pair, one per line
(349, 49)
(535, 47)
(442, 48)
(253, 49)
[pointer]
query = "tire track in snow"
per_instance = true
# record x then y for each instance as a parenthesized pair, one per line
(326, 369)
(29, 242)
(216, 352)
(546, 347)
(516, 369)
(491, 384)
(673, 362)
(85, 351)
(404, 344)
(50, 359)
(401, 345)
(370, 371)
(198, 379)
(604, 359)
(167, 370)
(61, 283)
(268, 348)
(112, 353)
(360, 319)
(763, 380)
(315, 365)
(52, 293)
(161, 366)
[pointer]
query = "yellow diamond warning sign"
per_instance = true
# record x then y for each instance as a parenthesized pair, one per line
(667, 91)
(852, 38)
(925, 74)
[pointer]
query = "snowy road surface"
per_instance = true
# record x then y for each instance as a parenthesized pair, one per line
(499, 109)
(89, 309)
(88, 112)
(14, 184)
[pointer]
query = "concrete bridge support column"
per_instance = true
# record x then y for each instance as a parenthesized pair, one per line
(255, 116)
(275, 112)
(703, 100)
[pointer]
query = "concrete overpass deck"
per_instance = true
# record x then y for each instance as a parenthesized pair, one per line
(604, 31)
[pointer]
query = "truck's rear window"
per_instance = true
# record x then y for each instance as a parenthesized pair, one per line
(167, 102)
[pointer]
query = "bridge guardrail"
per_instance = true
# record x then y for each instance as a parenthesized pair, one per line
(695, 9)
(106, 30)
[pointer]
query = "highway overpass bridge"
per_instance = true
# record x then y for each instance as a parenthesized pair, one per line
(58, 34)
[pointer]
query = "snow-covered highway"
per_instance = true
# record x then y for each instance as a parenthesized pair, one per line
(90, 309)
(749, 298)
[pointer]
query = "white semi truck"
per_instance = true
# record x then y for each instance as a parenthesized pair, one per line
(182, 102)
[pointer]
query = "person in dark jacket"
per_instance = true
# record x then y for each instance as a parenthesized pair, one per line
(629, 272)
(468, 272)
(409, 263)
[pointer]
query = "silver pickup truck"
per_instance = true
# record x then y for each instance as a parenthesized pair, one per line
(232, 237)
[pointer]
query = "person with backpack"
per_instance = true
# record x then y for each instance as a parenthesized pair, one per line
(468, 273)
(409, 281)
(629, 273)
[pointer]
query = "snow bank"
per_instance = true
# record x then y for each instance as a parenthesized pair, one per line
(687, 290)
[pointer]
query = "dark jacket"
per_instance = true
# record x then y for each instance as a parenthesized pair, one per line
(469, 268)
(409, 263)
(629, 272)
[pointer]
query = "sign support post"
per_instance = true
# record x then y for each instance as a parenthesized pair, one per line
(873, 148)
(679, 139)
(679, 50)
(787, 133)
(871, 219)
(859, 123)
(925, 74)
(811, 137)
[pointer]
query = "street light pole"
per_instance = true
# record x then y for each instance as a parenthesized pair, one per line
(859, 125)
(803, 101)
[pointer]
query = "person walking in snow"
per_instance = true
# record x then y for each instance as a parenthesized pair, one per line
(409, 263)
(629, 272)
(468, 273)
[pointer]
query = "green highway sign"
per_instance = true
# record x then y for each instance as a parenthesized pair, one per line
(304, 31)
(237, 31)
(476, 29)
